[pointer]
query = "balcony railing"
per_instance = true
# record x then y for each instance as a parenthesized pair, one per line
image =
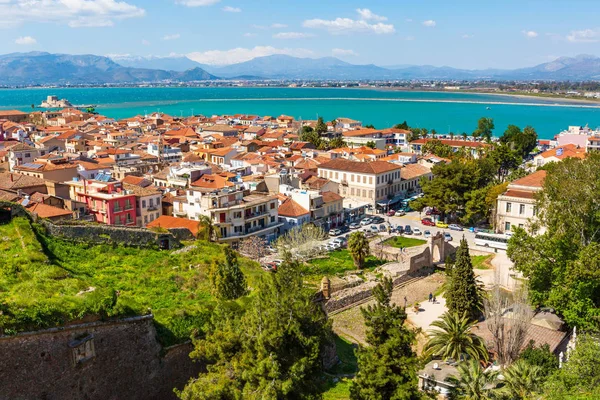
(117, 209)
(128, 207)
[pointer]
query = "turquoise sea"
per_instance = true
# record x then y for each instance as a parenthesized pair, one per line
(445, 112)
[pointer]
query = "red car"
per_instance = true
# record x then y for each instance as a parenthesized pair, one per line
(391, 213)
(427, 222)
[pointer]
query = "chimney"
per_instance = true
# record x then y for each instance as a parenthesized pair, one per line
(11, 177)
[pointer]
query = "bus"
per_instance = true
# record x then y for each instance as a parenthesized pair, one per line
(496, 241)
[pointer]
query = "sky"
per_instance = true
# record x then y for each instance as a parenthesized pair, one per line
(458, 33)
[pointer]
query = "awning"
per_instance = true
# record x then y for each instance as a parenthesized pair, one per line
(391, 201)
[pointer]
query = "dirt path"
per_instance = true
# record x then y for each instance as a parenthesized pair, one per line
(20, 237)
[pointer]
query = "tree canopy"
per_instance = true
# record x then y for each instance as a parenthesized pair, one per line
(359, 249)
(272, 349)
(462, 294)
(562, 264)
(521, 141)
(388, 366)
(485, 127)
(226, 278)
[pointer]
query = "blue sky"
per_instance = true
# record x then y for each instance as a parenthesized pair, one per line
(464, 34)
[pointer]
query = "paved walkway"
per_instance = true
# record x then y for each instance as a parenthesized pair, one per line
(428, 313)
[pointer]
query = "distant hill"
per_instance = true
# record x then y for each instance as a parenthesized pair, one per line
(169, 63)
(38, 68)
(281, 66)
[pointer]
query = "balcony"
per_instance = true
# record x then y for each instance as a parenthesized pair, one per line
(128, 207)
(255, 215)
(117, 209)
(344, 182)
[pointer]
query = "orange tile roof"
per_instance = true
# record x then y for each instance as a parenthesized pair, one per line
(212, 182)
(361, 132)
(532, 180)
(452, 143)
(291, 209)
(411, 171)
(46, 211)
(568, 151)
(167, 222)
(329, 197)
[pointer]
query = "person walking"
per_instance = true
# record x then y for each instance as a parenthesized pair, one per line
(430, 297)
(434, 300)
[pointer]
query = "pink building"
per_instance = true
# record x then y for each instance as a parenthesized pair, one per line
(106, 200)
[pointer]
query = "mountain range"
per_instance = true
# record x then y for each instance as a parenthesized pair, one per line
(39, 68)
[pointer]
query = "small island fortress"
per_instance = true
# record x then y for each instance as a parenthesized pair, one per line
(54, 102)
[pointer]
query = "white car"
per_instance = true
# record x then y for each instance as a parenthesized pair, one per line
(427, 234)
(417, 231)
(336, 245)
(400, 213)
(447, 237)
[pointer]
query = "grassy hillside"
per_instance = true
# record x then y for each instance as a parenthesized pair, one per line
(45, 281)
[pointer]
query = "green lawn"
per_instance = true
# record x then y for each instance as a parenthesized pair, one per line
(481, 262)
(45, 281)
(339, 390)
(337, 263)
(403, 242)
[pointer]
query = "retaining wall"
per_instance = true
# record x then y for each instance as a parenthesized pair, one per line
(119, 359)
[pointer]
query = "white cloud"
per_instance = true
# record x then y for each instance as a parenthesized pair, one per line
(248, 34)
(240, 54)
(584, 36)
(368, 15)
(25, 41)
(343, 52)
(279, 26)
(292, 35)
(174, 36)
(232, 9)
(145, 42)
(429, 23)
(75, 13)
(347, 25)
(197, 3)
(530, 34)
(467, 36)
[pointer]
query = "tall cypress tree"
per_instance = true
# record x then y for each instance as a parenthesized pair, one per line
(462, 294)
(388, 366)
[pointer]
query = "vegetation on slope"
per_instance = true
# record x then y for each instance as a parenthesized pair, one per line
(46, 281)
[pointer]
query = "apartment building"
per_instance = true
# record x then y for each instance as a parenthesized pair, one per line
(237, 214)
(371, 182)
(517, 206)
(106, 200)
(147, 203)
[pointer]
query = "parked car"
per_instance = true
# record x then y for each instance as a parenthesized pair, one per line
(374, 228)
(455, 227)
(354, 225)
(408, 230)
(441, 224)
(335, 232)
(399, 229)
(377, 220)
(400, 213)
(270, 267)
(391, 213)
(432, 211)
(365, 221)
(278, 262)
(417, 232)
(344, 228)
(335, 245)
(340, 241)
(427, 234)
(447, 237)
(427, 222)
(382, 228)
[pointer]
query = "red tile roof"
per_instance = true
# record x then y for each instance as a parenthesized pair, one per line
(370, 167)
(167, 222)
(291, 209)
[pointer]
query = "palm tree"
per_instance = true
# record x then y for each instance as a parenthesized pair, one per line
(521, 380)
(473, 383)
(359, 249)
(454, 339)
(207, 229)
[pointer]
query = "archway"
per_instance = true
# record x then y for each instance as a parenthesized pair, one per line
(437, 248)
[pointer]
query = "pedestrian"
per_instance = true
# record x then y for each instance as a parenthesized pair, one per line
(405, 301)
(430, 297)
(434, 300)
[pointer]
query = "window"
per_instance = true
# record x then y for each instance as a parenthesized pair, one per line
(82, 350)
(508, 207)
(143, 203)
(521, 225)
(352, 178)
(378, 180)
(272, 206)
(370, 180)
(336, 176)
(151, 202)
(364, 193)
(237, 214)
(507, 225)
(522, 209)
(351, 191)
(345, 178)
(364, 179)
(145, 219)
(370, 194)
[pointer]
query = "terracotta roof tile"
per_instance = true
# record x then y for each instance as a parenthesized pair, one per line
(291, 209)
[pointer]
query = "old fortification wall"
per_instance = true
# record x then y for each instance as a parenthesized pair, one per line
(102, 360)
(101, 234)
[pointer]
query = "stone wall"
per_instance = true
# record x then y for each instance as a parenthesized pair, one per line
(101, 234)
(102, 360)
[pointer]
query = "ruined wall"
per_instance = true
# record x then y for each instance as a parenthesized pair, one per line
(101, 360)
(100, 234)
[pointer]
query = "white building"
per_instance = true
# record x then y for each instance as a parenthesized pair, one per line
(517, 206)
